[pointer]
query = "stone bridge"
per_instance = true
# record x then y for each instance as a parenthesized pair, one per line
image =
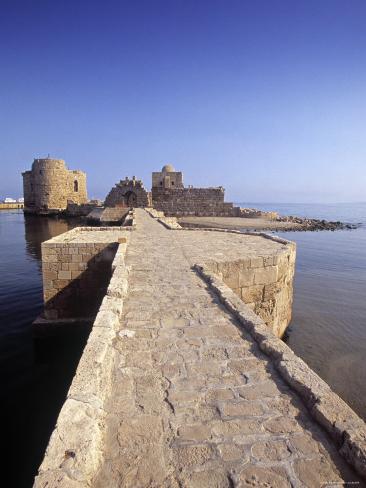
(182, 384)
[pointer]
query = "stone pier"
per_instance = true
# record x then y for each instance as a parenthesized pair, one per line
(193, 389)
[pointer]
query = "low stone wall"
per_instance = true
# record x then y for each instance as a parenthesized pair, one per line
(346, 428)
(76, 270)
(156, 214)
(74, 451)
(11, 206)
(264, 283)
(130, 220)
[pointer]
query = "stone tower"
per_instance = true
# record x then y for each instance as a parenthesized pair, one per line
(49, 185)
(167, 178)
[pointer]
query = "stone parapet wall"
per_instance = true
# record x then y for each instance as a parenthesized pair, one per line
(168, 222)
(265, 284)
(74, 451)
(76, 269)
(345, 427)
(156, 214)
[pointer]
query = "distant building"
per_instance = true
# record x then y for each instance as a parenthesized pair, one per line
(167, 178)
(50, 185)
(169, 195)
(20, 200)
(9, 200)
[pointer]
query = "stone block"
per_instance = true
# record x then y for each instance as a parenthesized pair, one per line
(253, 475)
(256, 262)
(252, 294)
(76, 258)
(271, 290)
(49, 258)
(241, 409)
(196, 432)
(316, 472)
(49, 293)
(84, 438)
(64, 275)
(49, 275)
(266, 275)
(246, 277)
(76, 274)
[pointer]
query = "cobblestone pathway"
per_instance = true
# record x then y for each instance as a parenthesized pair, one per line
(195, 403)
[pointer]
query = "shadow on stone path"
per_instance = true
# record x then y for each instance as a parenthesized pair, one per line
(195, 403)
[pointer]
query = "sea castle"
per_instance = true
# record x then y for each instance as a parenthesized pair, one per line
(51, 188)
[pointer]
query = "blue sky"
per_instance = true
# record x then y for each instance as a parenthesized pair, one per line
(264, 97)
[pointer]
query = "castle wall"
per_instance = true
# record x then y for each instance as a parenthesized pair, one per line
(50, 185)
(192, 201)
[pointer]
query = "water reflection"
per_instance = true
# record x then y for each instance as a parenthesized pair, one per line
(40, 229)
(33, 386)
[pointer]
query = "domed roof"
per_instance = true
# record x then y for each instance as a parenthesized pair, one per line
(168, 168)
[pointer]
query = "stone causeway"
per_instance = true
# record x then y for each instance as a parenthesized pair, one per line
(183, 385)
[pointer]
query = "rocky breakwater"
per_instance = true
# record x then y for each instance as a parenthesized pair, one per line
(302, 223)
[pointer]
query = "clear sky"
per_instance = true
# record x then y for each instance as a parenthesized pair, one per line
(264, 97)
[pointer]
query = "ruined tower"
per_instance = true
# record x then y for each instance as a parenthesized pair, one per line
(49, 185)
(128, 193)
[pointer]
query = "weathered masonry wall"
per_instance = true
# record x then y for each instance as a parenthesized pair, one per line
(76, 269)
(75, 447)
(11, 206)
(264, 283)
(192, 201)
(259, 268)
(344, 426)
(49, 185)
(128, 193)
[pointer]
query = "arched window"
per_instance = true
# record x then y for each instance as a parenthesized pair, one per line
(76, 185)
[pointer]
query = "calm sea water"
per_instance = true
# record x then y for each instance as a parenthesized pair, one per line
(34, 380)
(328, 327)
